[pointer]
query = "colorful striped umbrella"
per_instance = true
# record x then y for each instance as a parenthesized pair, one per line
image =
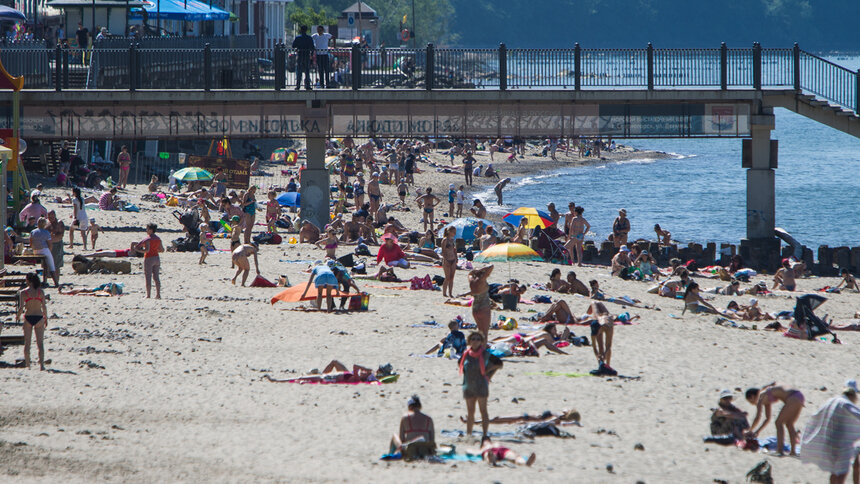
(192, 173)
(278, 154)
(508, 253)
(533, 215)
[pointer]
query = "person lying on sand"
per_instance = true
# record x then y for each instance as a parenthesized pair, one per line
(733, 289)
(598, 295)
(545, 337)
(565, 417)
(334, 372)
(130, 252)
(495, 453)
(416, 438)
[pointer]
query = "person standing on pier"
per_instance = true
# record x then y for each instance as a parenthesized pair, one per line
(321, 41)
(304, 45)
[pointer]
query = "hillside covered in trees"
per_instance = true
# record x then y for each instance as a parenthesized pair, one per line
(816, 24)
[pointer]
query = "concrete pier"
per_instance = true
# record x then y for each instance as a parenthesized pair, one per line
(315, 193)
(761, 247)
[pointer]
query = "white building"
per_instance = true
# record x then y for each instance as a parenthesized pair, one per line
(264, 18)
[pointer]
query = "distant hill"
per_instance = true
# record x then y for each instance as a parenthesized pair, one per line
(818, 25)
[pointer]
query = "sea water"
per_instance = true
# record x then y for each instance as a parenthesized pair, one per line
(698, 192)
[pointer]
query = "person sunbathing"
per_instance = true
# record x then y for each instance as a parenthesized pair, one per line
(334, 372)
(784, 279)
(130, 252)
(512, 287)
(848, 281)
(455, 340)
(106, 289)
(495, 453)
(565, 417)
(727, 418)
(545, 337)
(556, 284)
(416, 438)
(694, 302)
(732, 289)
(598, 295)
(575, 286)
(308, 232)
(559, 311)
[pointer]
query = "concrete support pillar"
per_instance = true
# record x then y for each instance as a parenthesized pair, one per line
(315, 191)
(761, 247)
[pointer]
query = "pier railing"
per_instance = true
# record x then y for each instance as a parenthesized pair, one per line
(216, 67)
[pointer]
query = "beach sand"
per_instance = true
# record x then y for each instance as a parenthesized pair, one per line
(142, 390)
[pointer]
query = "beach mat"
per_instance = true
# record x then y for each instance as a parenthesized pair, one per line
(294, 294)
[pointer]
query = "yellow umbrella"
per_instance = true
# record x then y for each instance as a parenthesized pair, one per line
(508, 252)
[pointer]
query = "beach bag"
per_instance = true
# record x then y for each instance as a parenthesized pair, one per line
(346, 260)
(362, 249)
(360, 268)
(360, 302)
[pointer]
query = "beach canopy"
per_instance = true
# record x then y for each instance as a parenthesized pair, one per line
(465, 227)
(294, 294)
(9, 13)
(188, 10)
(508, 253)
(289, 199)
(192, 173)
(533, 215)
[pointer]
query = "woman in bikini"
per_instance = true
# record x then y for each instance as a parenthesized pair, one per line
(449, 261)
(32, 304)
(416, 437)
(562, 418)
(482, 306)
(694, 302)
(334, 372)
(476, 380)
(556, 284)
(559, 311)
(249, 210)
(784, 279)
(765, 397)
(123, 159)
(494, 453)
(330, 244)
(545, 337)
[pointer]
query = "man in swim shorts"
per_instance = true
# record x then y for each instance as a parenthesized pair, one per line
(427, 202)
(578, 228)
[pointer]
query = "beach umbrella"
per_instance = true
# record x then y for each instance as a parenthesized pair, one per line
(508, 253)
(289, 199)
(533, 215)
(466, 227)
(8, 13)
(192, 173)
(278, 154)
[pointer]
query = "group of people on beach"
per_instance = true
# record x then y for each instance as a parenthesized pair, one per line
(361, 220)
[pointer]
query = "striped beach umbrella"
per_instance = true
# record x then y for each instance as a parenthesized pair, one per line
(533, 215)
(192, 173)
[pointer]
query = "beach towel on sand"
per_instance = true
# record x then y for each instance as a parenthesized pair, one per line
(261, 281)
(294, 294)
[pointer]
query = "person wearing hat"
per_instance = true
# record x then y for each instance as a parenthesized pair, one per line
(727, 418)
(416, 438)
(452, 194)
(829, 436)
(621, 262)
(784, 279)
(620, 228)
(391, 253)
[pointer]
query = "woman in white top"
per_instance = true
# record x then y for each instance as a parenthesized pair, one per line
(80, 220)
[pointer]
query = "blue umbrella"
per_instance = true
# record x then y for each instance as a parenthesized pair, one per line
(289, 199)
(8, 13)
(466, 227)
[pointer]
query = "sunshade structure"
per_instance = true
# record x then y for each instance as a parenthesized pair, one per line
(279, 154)
(508, 253)
(192, 173)
(289, 199)
(188, 10)
(466, 227)
(9, 13)
(533, 215)
(294, 294)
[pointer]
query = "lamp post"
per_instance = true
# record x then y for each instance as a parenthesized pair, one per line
(412, 34)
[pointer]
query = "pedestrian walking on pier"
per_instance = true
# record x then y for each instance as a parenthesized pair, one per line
(304, 46)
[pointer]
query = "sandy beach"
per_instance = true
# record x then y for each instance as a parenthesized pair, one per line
(173, 390)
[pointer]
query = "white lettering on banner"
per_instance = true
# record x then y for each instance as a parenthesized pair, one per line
(387, 119)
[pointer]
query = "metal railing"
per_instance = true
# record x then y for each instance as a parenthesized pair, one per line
(218, 67)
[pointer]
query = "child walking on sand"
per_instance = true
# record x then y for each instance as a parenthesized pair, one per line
(94, 233)
(273, 212)
(203, 244)
(402, 191)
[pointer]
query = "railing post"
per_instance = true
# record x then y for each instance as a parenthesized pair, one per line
(207, 67)
(65, 68)
(356, 67)
(58, 68)
(724, 66)
(796, 62)
(577, 66)
(131, 69)
(757, 66)
(430, 74)
(857, 92)
(503, 67)
(650, 52)
(280, 66)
